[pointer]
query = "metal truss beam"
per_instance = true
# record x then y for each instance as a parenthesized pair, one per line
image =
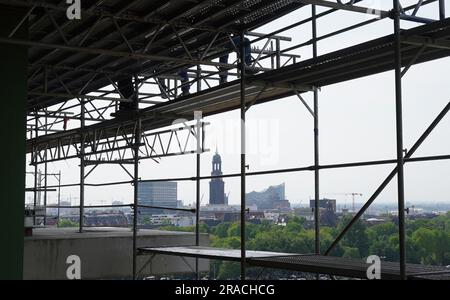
(101, 147)
(124, 16)
(137, 56)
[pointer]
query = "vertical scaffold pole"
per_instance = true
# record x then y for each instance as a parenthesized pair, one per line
(46, 164)
(316, 140)
(82, 165)
(197, 190)
(243, 151)
(442, 9)
(199, 132)
(59, 197)
(399, 129)
(137, 141)
(46, 176)
(36, 134)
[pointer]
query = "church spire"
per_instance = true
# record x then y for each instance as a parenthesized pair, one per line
(216, 185)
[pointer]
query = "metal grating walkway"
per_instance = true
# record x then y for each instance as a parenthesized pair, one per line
(349, 267)
(338, 266)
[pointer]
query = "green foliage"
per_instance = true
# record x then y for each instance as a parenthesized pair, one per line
(229, 270)
(203, 228)
(231, 242)
(356, 237)
(250, 230)
(427, 241)
(433, 244)
(221, 230)
(146, 220)
(67, 223)
(295, 225)
(350, 252)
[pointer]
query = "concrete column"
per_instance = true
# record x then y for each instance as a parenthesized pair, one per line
(13, 95)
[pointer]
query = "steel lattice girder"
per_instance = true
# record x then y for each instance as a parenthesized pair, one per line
(116, 145)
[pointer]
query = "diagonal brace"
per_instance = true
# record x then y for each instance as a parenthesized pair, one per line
(388, 179)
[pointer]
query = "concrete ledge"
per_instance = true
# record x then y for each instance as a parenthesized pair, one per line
(105, 253)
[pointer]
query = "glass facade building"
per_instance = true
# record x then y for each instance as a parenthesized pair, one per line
(162, 194)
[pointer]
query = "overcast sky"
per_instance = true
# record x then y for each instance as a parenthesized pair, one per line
(357, 123)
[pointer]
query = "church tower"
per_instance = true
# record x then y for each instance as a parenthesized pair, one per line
(216, 185)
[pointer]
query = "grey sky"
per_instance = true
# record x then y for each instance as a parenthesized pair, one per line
(357, 122)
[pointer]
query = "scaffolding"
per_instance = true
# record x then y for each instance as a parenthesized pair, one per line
(151, 42)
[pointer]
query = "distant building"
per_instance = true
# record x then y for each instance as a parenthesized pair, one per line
(230, 216)
(304, 212)
(271, 198)
(161, 194)
(324, 204)
(328, 215)
(216, 185)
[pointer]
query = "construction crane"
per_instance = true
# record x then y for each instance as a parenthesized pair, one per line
(353, 199)
(348, 194)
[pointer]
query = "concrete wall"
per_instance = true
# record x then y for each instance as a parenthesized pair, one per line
(104, 255)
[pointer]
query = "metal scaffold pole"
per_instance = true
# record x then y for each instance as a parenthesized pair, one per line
(137, 141)
(36, 133)
(82, 165)
(197, 178)
(442, 9)
(316, 140)
(243, 151)
(399, 129)
(197, 200)
(59, 197)
(45, 176)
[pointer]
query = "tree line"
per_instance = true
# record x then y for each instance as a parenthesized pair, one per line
(427, 240)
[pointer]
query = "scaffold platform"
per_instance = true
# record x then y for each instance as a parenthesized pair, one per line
(336, 266)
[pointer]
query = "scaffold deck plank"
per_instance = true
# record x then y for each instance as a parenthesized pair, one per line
(209, 253)
(347, 267)
(337, 266)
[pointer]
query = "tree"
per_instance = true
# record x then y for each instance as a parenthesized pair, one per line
(382, 231)
(351, 252)
(295, 225)
(250, 230)
(221, 230)
(67, 223)
(434, 245)
(357, 235)
(229, 270)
